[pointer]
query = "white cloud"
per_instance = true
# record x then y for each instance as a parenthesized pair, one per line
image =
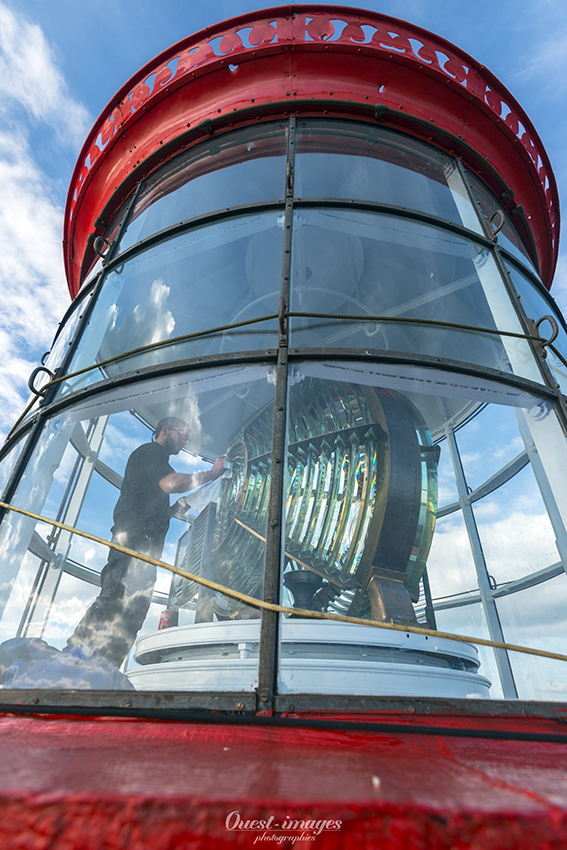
(517, 544)
(33, 95)
(546, 59)
(548, 62)
(30, 78)
(516, 541)
(32, 280)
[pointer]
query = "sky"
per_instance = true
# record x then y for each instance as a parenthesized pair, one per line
(61, 61)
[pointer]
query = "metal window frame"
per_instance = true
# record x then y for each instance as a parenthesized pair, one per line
(266, 697)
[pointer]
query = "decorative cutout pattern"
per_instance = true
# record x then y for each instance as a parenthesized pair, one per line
(374, 32)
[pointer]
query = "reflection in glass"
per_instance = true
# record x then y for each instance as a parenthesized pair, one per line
(536, 303)
(447, 487)
(471, 620)
(507, 237)
(535, 617)
(59, 350)
(340, 159)
(50, 577)
(364, 535)
(243, 167)
(95, 269)
(66, 333)
(358, 263)
(9, 462)
(412, 494)
(349, 458)
(206, 278)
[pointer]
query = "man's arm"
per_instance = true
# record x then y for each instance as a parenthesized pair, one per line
(181, 482)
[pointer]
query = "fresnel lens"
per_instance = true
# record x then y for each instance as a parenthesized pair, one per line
(303, 372)
(360, 503)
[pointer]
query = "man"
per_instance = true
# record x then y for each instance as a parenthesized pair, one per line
(141, 521)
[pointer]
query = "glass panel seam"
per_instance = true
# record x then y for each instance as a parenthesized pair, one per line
(491, 613)
(509, 287)
(267, 206)
(192, 224)
(539, 352)
(275, 533)
(398, 212)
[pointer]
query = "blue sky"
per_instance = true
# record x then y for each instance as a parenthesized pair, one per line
(61, 61)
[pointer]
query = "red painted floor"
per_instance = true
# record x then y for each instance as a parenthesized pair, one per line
(96, 783)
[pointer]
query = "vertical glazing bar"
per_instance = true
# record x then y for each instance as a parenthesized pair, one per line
(20, 466)
(268, 660)
(67, 360)
(546, 489)
(488, 603)
(61, 541)
(508, 286)
(560, 405)
(123, 225)
(539, 351)
(63, 369)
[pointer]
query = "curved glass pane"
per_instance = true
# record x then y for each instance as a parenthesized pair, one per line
(367, 535)
(8, 463)
(515, 530)
(470, 620)
(206, 278)
(243, 167)
(536, 617)
(59, 350)
(94, 271)
(507, 237)
(66, 333)
(84, 611)
(536, 304)
(504, 444)
(340, 159)
(348, 262)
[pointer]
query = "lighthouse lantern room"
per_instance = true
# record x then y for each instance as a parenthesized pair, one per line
(301, 436)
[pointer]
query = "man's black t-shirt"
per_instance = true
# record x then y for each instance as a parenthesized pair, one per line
(143, 507)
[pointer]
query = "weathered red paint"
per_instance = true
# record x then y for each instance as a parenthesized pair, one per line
(88, 784)
(313, 60)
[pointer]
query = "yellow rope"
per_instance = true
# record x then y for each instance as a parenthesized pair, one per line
(282, 609)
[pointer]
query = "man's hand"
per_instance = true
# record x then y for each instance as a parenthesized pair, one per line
(218, 468)
(182, 482)
(181, 506)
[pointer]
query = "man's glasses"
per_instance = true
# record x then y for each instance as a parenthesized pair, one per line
(183, 434)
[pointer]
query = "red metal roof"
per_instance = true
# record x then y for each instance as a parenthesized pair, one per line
(312, 60)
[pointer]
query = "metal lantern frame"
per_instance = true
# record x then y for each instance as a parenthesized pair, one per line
(314, 62)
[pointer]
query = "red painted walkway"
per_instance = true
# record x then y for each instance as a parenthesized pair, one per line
(87, 784)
